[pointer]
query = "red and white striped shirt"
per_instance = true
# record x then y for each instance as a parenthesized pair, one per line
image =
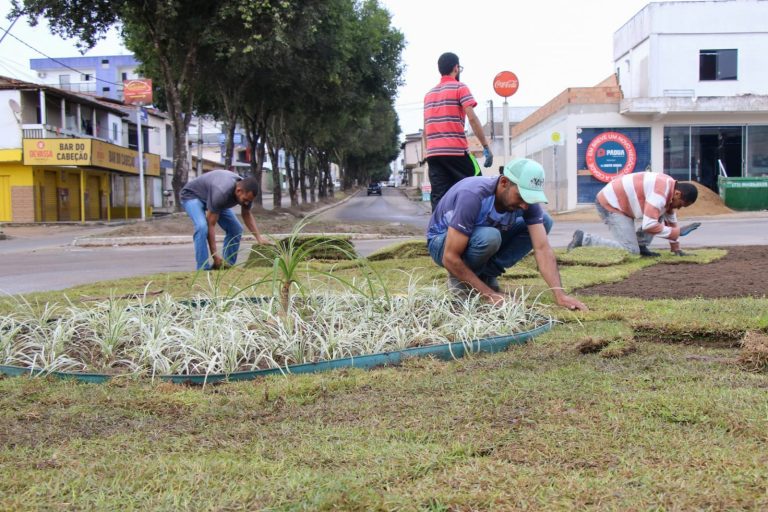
(646, 196)
(444, 117)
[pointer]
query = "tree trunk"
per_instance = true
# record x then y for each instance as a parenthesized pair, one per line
(322, 172)
(312, 173)
(180, 112)
(292, 173)
(303, 175)
(229, 149)
(255, 145)
(277, 179)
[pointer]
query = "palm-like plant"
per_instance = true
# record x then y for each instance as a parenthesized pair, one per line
(290, 259)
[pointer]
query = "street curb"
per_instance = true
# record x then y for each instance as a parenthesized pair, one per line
(187, 239)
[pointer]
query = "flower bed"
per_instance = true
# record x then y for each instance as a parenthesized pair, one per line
(222, 336)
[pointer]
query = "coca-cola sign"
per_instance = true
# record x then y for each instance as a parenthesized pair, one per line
(505, 84)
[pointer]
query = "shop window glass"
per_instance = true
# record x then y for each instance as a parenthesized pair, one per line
(757, 151)
(677, 152)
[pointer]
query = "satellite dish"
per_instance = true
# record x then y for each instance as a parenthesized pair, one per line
(16, 109)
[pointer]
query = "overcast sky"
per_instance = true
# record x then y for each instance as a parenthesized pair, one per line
(549, 44)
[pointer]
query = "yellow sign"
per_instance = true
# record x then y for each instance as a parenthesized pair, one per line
(85, 153)
(123, 159)
(555, 137)
(57, 151)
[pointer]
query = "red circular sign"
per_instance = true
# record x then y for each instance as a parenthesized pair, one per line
(610, 155)
(505, 84)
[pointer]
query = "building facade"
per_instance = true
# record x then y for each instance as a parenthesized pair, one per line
(689, 98)
(100, 76)
(69, 157)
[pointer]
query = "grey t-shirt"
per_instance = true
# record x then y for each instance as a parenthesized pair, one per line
(216, 189)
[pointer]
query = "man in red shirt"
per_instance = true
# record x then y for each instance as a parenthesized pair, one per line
(446, 107)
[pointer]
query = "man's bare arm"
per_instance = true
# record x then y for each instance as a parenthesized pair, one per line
(212, 219)
(477, 127)
(250, 223)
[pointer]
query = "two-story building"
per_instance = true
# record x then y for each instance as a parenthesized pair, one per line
(98, 75)
(69, 157)
(689, 98)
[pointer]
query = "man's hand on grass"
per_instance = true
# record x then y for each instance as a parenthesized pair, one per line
(569, 302)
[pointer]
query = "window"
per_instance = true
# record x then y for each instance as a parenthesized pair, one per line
(718, 64)
(85, 77)
(114, 133)
(64, 82)
(125, 76)
(105, 63)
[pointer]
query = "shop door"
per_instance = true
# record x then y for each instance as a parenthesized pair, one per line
(73, 179)
(5, 199)
(713, 147)
(48, 197)
(92, 198)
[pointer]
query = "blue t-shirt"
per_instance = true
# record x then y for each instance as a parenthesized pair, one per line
(470, 204)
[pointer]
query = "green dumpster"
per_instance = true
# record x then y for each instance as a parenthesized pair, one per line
(744, 194)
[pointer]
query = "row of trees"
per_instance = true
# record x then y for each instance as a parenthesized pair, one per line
(317, 78)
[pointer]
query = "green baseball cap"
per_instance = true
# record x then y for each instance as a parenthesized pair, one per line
(528, 175)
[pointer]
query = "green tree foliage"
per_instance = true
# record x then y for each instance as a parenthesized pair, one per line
(316, 78)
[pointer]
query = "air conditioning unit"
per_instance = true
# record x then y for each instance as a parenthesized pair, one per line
(42, 74)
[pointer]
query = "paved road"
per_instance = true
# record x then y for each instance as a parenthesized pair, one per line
(392, 206)
(40, 259)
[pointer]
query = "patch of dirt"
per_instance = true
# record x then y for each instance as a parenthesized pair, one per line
(743, 272)
(281, 220)
(708, 203)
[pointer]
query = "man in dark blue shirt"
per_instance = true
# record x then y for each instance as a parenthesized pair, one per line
(484, 225)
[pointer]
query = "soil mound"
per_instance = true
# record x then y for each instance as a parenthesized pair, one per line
(708, 203)
(743, 272)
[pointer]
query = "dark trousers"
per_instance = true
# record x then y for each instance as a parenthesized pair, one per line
(445, 172)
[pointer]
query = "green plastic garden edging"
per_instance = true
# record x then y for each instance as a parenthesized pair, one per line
(444, 351)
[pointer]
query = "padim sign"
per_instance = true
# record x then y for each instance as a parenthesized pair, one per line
(610, 155)
(87, 153)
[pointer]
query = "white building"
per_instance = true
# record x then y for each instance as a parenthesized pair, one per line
(690, 98)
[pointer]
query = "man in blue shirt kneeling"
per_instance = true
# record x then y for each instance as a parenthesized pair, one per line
(484, 225)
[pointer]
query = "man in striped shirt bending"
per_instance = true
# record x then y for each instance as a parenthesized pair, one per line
(650, 197)
(446, 107)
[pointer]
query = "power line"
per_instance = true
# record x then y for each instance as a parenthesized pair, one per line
(8, 33)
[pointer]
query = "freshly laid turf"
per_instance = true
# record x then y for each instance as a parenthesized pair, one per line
(662, 417)
(403, 250)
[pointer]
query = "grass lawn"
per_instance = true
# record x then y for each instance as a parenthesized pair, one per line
(636, 405)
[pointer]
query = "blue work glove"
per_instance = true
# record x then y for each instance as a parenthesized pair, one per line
(690, 227)
(488, 156)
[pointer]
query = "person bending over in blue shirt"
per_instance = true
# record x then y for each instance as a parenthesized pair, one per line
(484, 225)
